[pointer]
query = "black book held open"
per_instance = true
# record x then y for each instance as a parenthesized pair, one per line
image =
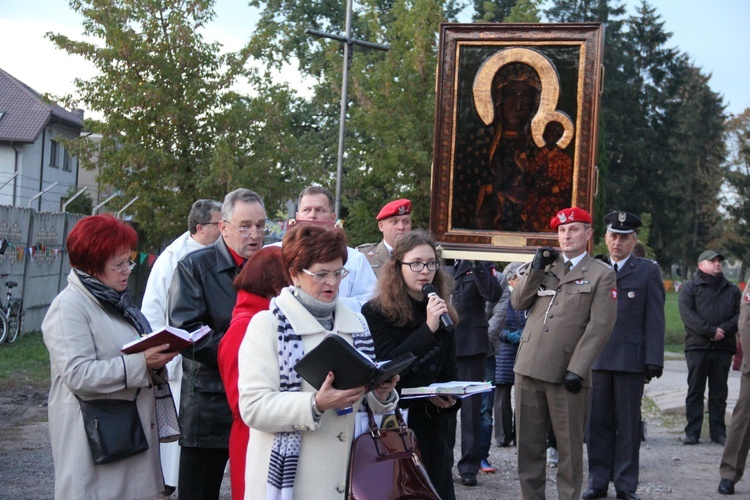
(350, 367)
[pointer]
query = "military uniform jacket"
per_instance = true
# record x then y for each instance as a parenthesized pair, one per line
(376, 254)
(744, 328)
(570, 320)
(638, 336)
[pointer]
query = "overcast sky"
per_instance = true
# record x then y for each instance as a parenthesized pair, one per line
(714, 34)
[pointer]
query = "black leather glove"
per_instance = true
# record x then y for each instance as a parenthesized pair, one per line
(653, 371)
(544, 256)
(573, 382)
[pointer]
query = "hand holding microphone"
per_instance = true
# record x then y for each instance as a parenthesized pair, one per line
(428, 290)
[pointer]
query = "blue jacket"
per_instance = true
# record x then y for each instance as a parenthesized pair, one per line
(514, 323)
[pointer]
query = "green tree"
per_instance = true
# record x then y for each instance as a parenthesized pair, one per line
(158, 91)
(493, 11)
(82, 204)
(736, 200)
(525, 11)
(389, 128)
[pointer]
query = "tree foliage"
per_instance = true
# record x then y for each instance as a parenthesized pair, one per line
(172, 126)
(736, 200)
(158, 89)
(661, 141)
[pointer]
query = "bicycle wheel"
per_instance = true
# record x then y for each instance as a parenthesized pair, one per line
(3, 327)
(14, 319)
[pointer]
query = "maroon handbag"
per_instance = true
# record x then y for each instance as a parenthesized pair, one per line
(385, 464)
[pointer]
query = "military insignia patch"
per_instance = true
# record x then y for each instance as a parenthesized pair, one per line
(746, 297)
(561, 216)
(614, 293)
(370, 254)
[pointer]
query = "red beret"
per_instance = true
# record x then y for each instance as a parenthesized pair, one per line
(396, 207)
(569, 215)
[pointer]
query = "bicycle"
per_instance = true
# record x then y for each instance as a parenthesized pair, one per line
(11, 314)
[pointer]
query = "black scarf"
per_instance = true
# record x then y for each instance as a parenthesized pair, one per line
(714, 280)
(115, 301)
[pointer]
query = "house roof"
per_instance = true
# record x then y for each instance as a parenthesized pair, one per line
(24, 113)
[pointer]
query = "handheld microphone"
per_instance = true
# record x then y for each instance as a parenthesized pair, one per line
(428, 290)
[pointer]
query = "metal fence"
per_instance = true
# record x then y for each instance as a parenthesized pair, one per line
(35, 258)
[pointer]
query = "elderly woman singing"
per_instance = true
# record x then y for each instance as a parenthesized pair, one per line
(300, 444)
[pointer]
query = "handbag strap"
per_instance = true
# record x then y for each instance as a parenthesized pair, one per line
(403, 431)
(85, 400)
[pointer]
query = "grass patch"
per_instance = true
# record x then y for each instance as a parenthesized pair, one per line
(24, 363)
(675, 330)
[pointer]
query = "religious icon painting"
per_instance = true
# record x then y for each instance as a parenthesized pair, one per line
(515, 134)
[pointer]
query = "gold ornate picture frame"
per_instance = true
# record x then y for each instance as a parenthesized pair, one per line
(515, 134)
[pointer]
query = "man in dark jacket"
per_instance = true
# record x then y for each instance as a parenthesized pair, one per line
(710, 309)
(476, 284)
(202, 294)
(633, 355)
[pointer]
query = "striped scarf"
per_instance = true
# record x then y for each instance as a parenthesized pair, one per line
(282, 467)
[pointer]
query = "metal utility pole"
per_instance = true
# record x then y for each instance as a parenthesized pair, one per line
(348, 42)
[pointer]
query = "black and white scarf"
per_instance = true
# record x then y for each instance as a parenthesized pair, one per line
(118, 302)
(282, 467)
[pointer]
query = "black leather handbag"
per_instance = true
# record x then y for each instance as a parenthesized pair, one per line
(113, 428)
(385, 464)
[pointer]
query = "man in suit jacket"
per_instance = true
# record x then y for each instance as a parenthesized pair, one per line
(571, 315)
(394, 220)
(634, 354)
(734, 458)
(476, 284)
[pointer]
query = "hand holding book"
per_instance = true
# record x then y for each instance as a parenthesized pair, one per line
(177, 339)
(350, 367)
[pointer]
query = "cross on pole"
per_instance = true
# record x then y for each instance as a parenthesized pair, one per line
(348, 41)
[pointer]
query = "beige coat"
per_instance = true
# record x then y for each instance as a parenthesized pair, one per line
(84, 342)
(324, 454)
(567, 330)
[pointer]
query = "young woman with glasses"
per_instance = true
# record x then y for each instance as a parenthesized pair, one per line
(402, 320)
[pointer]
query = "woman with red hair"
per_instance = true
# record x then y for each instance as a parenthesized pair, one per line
(84, 329)
(301, 438)
(261, 279)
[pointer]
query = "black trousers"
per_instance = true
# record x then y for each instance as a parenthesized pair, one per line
(432, 431)
(201, 472)
(471, 368)
(711, 366)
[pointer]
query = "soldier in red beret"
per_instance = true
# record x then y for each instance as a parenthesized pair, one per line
(394, 220)
(571, 303)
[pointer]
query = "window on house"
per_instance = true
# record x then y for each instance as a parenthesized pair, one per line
(66, 160)
(53, 153)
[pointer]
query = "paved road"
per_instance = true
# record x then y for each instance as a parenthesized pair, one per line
(669, 391)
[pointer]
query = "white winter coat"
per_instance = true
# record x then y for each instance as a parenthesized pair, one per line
(324, 454)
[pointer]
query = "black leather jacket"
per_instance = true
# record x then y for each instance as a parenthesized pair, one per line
(201, 293)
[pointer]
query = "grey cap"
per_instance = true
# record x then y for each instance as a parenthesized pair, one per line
(709, 255)
(511, 270)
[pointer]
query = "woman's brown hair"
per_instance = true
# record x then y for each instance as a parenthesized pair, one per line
(305, 244)
(391, 296)
(263, 274)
